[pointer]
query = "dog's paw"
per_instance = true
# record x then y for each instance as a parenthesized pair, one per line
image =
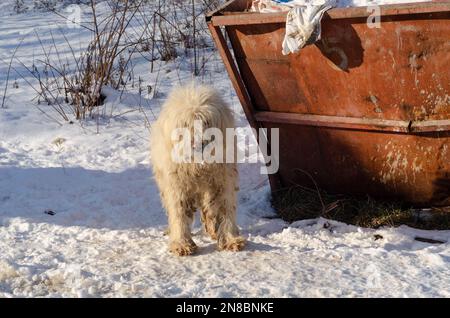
(183, 248)
(234, 244)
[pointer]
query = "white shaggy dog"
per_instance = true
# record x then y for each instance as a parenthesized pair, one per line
(186, 187)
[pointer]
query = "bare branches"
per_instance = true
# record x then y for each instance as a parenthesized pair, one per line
(73, 84)
(101, 64)
(8, 72)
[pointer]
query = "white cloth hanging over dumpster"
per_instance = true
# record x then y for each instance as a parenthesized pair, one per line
(303, 24)
(304, 16)
(303, 20)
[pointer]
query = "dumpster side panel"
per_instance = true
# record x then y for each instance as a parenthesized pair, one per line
(417, 169)
(398, 71)
(364, 110)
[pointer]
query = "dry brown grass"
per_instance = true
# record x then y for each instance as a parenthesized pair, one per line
(299, 203)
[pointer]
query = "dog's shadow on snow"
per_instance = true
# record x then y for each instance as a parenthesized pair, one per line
(87, 198)
(81, 197)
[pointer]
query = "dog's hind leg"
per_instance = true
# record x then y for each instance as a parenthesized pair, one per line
(228, 232)
(209, 217)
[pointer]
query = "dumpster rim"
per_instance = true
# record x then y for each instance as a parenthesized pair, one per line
(220, 17)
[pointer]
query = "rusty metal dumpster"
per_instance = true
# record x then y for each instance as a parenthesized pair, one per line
(362, 111)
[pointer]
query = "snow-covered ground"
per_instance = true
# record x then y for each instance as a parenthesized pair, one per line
(80, 214)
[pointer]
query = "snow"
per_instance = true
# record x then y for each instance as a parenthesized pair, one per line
(106, 237)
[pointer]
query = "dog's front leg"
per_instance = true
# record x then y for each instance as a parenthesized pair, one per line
(228, 237)
(219, 220)
(180, 220)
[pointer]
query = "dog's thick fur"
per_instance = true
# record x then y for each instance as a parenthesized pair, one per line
(186, 187)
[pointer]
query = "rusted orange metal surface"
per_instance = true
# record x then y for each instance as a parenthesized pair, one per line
(364, 110)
